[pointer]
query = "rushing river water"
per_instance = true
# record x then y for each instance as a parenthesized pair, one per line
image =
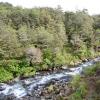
(22, 88)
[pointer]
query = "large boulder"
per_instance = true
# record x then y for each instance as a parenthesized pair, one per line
(33, 55)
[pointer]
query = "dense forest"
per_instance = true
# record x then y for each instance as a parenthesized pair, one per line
(43, 38)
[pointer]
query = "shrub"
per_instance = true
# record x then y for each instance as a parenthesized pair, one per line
(23, 63)
(59, 59)
(28, 71)
(48, 57)
(5, 75)
(13, 67)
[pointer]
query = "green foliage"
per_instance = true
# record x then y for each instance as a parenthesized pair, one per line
(23, 63)
(23, 35)
(14, 69)
(46, 28)
(42, 37)
(91, 70)
(28, 71)
(79, 29)
(59, 59)
(80, 88)
(76, 81)
(63, 37)
(79, 93)
(75, 96)
(48, 57)
(5, 75)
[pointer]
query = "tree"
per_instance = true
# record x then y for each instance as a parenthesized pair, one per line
(8, 41)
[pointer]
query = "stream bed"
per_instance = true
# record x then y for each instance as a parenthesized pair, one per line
(31, 88)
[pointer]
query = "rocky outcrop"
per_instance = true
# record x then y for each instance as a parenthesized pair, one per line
(33, 55)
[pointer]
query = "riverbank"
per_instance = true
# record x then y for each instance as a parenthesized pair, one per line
(12, 69)
(83, 88)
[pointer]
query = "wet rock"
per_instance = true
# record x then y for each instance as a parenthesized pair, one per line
(64, 67)
(42, 98)
(62, 92)
(9, 97)
(48, 97)
(2, 96)
(2, 88)
(84, 60)
(30, 98)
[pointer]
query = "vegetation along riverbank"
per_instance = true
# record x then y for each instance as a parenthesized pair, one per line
(44, 38)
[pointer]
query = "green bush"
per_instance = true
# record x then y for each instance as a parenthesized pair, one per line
(28, 71)
(5, 75)
(14, 68)
(59, 59)
(23, 63)
(48, 57)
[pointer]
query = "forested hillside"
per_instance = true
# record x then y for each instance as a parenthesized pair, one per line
(61, 38)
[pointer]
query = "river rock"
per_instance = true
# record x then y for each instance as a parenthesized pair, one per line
(1, 88)
(85, 60)
(30, 98)
(9, 97)
(64, 67)
(33, 55)
(2, 96)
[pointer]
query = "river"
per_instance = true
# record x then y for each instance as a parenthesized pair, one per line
(29, 86)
